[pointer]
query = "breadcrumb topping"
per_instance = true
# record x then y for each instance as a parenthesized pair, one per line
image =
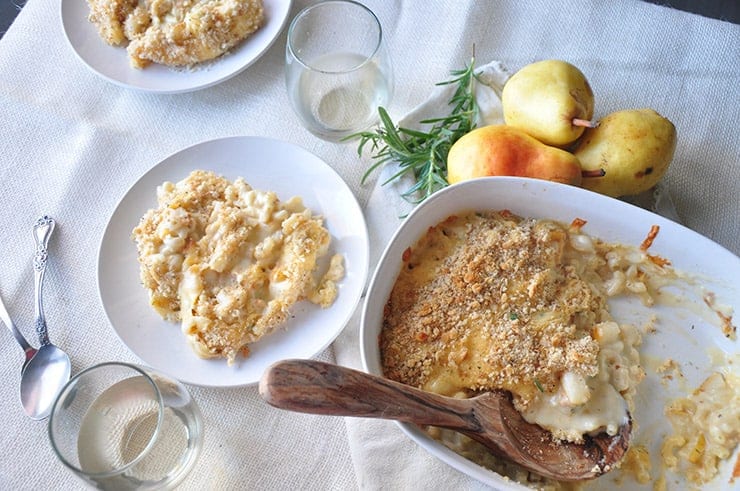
(494, 283)
(492, 301)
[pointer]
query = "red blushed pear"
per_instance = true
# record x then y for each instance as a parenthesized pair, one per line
(502, 150)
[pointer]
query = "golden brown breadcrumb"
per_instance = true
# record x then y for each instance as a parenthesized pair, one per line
(495, 285)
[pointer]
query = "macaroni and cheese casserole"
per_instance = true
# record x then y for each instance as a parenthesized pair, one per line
(491, 301)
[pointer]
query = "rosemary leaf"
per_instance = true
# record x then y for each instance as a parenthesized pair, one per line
(423, 154)
(539, 385)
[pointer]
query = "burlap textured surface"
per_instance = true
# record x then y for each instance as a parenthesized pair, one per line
(72, 144)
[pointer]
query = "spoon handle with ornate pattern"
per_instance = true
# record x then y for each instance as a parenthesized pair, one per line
(42, 231)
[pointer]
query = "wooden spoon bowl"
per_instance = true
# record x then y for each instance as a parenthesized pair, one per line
(315, 387)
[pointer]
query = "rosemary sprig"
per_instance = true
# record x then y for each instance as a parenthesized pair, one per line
(423, 154)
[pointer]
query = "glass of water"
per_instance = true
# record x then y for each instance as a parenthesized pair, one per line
(122, 426)
(337, 68)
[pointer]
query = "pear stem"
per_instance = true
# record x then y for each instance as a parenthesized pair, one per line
(585, 123)
(593, 173)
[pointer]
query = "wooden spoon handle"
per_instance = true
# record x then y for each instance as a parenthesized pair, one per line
(315, 387)
(320, 388)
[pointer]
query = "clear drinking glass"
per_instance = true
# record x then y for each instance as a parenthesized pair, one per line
(122, 426)
(337, 68)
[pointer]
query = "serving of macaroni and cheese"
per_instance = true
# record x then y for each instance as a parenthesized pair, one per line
(175, 32)
(228, 262)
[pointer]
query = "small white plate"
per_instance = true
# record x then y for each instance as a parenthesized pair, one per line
(266, 165)
(687, 332)
(111, 62)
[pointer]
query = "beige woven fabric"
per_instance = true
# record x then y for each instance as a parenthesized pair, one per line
(73, 143)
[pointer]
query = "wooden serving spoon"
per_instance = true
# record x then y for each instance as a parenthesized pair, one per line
(320, 388)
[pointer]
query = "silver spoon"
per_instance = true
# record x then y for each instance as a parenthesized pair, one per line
(49, 369)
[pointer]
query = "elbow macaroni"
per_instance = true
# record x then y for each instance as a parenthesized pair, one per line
(706, 427)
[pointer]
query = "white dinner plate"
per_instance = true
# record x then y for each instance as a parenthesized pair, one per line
(265, 164)
(111, 62)
(687, 331)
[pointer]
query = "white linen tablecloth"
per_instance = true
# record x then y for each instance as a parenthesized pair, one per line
(72, 144)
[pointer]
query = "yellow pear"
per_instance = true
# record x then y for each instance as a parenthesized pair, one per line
(634, 147)
(551, 100)
(502, 150)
